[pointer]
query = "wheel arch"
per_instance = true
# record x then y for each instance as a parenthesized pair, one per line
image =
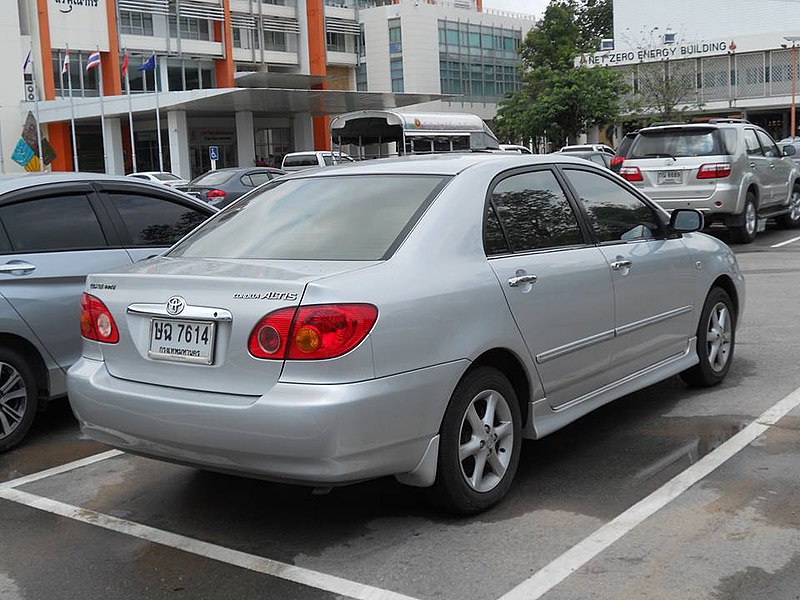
(34, 358)
(510, 365)
(726, 283)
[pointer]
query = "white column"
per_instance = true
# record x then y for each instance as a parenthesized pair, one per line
(179, 143)
(303, 132)
(245, 138)
(115, 160)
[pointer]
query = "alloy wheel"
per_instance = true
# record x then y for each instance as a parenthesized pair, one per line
(794, 206)
(718, 336)
(750, 218)
(13, 399)
(486, 441)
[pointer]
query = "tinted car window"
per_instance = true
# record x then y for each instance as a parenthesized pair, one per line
(770, 149)
(152, 221)
(245, 179)
(308, 160)
(328, 160)
(330, 218)
(677, 143)
(494, 242)
(751, 143)
(535, 212)
(614, 213)
(259, 178)
(65, 222)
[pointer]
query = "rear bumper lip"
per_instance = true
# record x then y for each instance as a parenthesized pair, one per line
(299, 433)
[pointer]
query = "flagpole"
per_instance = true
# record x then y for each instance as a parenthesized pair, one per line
(102, 113)
(72, 115)
(158, 116)
(130, 114)
(36, 108)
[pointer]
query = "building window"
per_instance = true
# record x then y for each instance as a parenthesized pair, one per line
(395, 37)
(337, 42)
(191, 29)
(189, 74)
(272, 144)
(244, 38)
(361, 77)
(275, 41)
(83, 83)
(396, 67)
(135, 23)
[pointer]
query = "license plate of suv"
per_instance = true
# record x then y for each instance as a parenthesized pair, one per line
(182, 341)
(670, 177)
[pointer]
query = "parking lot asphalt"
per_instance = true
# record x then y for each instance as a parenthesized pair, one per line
(666, 493)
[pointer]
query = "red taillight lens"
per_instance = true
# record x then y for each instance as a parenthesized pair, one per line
(631, 173)
(96, 321)
(215, 194)
(617, 161)
(714, 170)
(312, 332)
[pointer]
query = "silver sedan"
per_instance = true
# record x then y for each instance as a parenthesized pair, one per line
(412, 317)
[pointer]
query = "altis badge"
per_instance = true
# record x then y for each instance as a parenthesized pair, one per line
(291, 296)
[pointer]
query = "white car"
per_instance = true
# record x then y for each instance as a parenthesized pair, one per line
(516, 149)
(589, 148)
(299, 161)
(161, 177)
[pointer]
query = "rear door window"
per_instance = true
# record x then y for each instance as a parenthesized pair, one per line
(535, 212)
(154, 221)
(62, 222)
(770, 148)
(322, 218)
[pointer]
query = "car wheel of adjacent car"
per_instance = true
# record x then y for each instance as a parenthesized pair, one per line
(716, 337)
(480, 442)
(746, 232)
(792, 218)
(18, 398)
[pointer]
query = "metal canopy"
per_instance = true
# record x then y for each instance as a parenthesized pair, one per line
(263, 101)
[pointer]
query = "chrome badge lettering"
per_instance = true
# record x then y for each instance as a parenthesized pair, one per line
(291, 296)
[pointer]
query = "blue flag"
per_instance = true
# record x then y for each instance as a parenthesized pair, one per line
(149, 64)
(23, 153)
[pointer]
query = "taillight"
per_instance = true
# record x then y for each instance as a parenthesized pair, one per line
(96, 321)
(215, 194)
(714, 170)
(631, 173)
(617, 161)
(311, 332)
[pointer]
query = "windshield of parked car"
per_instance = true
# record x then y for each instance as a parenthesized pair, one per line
(323, 218)
(213, 178)
(676, 144)
(165, 176)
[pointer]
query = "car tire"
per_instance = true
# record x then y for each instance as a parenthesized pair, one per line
(792, 218)
(716, 339)
(471, 439)
(746, 232)
(18, 398)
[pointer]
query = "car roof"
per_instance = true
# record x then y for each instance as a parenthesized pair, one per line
(11, 183)
(436, 164)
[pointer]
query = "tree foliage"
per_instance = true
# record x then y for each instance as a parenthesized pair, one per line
(557, 100)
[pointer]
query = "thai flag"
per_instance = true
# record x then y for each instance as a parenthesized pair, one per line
(93, 61)
(65, 66)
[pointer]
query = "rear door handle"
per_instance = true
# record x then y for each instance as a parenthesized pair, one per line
(753, 166)
(621, 264)
(521, 280)
(11, 267)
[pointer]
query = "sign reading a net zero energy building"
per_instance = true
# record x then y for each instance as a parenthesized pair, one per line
(78, 24)
(614, 58)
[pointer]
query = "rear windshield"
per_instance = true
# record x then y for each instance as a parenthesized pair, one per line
(213, 178)
(303, 160)
(319, 218)
(625, 144)
(677, 143)
(166, 176)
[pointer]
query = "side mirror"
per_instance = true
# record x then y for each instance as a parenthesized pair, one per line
(686, 220)
(789, 150)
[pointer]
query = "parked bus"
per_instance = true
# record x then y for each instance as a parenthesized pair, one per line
(381, 133)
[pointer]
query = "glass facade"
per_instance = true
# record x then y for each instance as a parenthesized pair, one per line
(191, 28)
(478, 61)
(361, 77)
(396, 55)
(83, 83)
(135, 23)
(185, 75)
(249, 39)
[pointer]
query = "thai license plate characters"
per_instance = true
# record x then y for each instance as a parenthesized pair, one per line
(670, 177)
(182, 341)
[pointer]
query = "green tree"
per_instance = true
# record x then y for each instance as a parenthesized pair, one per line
(557, 100)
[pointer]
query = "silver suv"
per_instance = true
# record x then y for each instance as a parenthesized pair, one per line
(731, 170)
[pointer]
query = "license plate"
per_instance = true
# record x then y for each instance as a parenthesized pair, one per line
(182, 341)
(670, 177)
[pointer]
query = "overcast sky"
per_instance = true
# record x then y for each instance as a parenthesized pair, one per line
(535, 7)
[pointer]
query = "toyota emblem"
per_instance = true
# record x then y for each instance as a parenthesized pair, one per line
(175, 305)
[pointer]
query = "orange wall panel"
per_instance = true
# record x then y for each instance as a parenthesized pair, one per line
(58, 134)
(224, 67)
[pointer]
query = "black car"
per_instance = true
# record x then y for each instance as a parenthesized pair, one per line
(221, 187)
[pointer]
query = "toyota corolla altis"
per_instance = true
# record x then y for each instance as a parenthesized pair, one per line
(412, 317)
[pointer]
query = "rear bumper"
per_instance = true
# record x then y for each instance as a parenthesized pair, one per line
(724, 200)
(299, 433)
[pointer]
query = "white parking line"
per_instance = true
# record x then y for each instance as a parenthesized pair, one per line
(252, 562)
(576, 557)
(76, 464)
(787, 242)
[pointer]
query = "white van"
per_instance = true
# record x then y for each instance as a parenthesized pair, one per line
(298, 161)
